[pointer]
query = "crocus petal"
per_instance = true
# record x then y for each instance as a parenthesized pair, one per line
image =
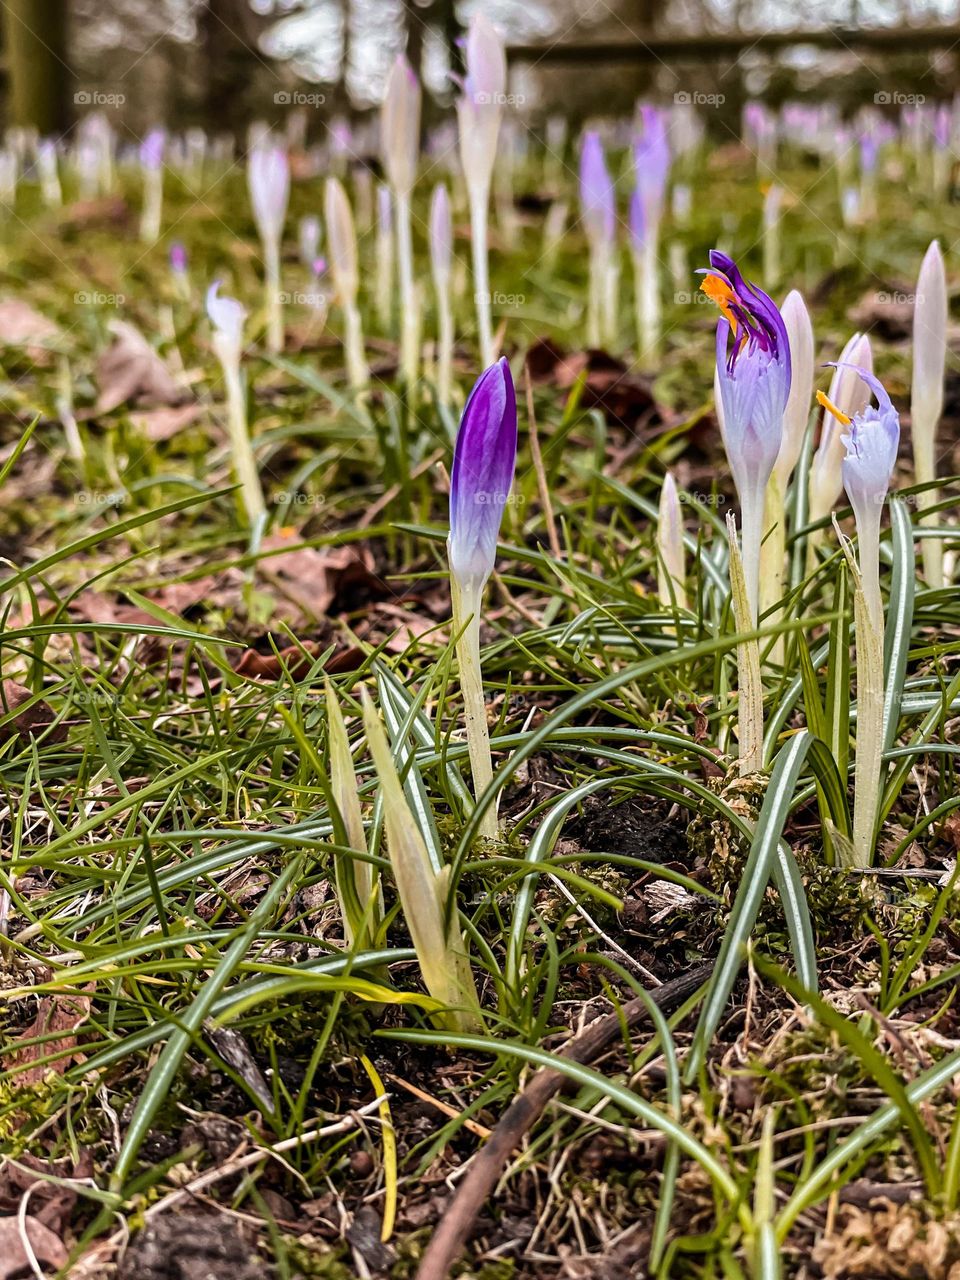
(871, 441)
(796, 320)
(484, 460)
(268, 179)
(227, 316)
(480, 106)
(400, 126)
(929, 341)
(597, 196)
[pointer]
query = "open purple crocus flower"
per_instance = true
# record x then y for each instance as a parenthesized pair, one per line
(484, 459)
(872, 442)
(754, 373)
(753, 378)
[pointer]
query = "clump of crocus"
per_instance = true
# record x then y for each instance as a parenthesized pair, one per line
(871, 439)
(479, 109)
(598, 212)
(384, 286)
(926, 397)
(268, 178)
(228, 316)
(151, 163)
(342, 245)
(651, 161)
(400, 150)
(484, 459)
(434, 927)
(671, 567)
(441, 263)
(753, 378)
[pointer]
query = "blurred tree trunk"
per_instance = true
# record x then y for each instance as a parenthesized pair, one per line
(232, 65)
(35, 47)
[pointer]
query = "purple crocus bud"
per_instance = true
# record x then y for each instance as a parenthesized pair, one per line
(869, 151)
(400, 126)
(318, 267)
(227, 316)
(484, 459)
(941, 128)
(268, 178)
(597, 196)
(638, 220)
(178, 258)
(651, 159)
(152, 148)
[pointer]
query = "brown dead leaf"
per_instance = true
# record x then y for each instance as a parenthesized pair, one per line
(14, 1259)
(270, 666)
(622, 396)
(130, 371)
(164, 423)
(51, 1203)
(30, 722)
(314, 578)
(64, 1012)
(107, 211)
(23, 326)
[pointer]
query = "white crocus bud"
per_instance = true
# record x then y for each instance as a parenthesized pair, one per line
(400, 126)
(926, 394)
(797, 413)
(671, 570)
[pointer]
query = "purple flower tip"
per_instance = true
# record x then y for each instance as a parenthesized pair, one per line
(484, 459)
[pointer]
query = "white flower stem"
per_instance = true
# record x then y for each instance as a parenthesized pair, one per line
(648, 323)
(611, 297)
(773, 553)
(384, 289)
(271, 252)
(751, 517)
(150, 217)
(408, 298)
(244, 462)
(479, 200)
(466, 622)
(749, 681)
(868, 632)
(357, 372)
(924, 436)
(595, 291)
(444, 345)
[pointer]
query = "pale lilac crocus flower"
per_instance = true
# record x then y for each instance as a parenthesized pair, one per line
(268, 180)
(400, 151)
(598, 212)
(479, 111)
(753, 379)
(651, 163)
(151, 163)
(227, 316)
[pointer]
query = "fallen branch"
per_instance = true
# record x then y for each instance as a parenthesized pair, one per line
(489, 1162)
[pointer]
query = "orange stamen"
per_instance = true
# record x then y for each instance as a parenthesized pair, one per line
(718, 291)
(830, 407)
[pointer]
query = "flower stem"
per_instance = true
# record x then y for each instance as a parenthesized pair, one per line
(244, 462)
(466, 622)
(749, 682)
(408, 297)
(479, 201)
(271, 251)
